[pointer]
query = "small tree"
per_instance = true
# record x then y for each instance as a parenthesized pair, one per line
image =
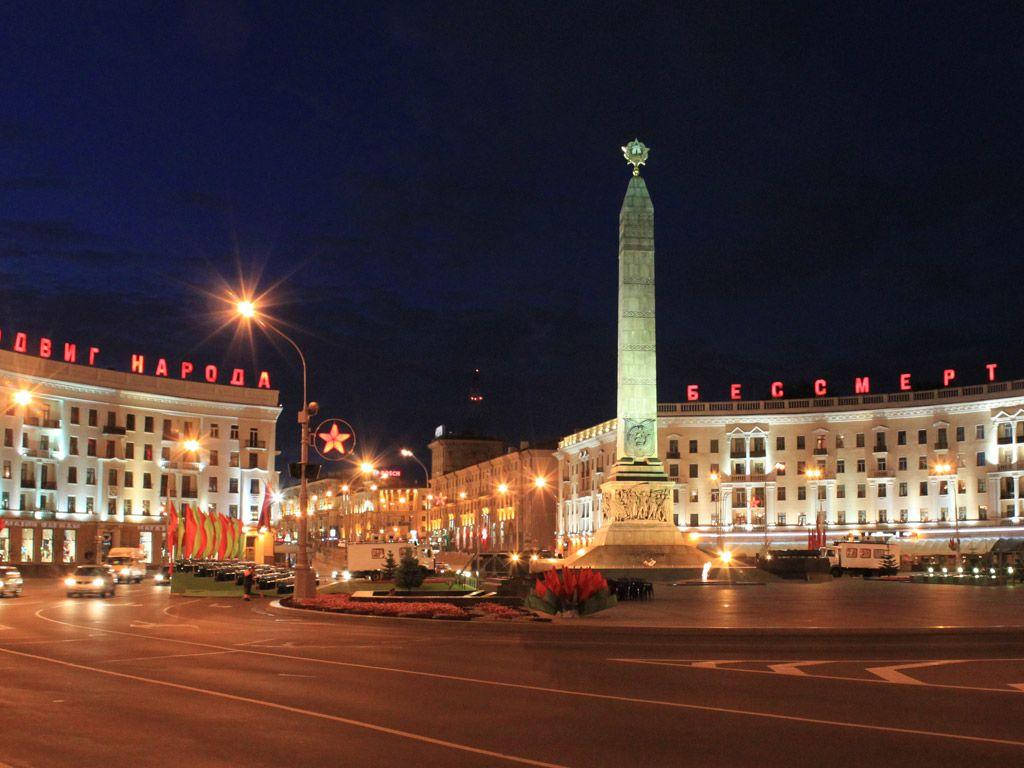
(389, 565)
(409, 574)
(889, 563)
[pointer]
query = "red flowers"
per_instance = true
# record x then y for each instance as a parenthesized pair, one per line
(343, 603)
(571, 589)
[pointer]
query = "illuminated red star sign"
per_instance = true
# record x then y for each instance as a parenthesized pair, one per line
(334, 440)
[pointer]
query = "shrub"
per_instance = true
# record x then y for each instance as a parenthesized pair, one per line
(409, 575)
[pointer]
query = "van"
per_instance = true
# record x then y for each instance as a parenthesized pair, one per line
(127, 563)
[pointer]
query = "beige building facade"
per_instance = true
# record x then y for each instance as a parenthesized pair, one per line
(90, 457)
(926, 466)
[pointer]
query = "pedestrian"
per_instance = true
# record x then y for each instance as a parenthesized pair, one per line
(247, 579)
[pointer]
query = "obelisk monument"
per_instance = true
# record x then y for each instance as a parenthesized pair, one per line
(636, 497)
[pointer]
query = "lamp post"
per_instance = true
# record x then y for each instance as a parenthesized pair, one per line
(815, 473)
(779, 466)
(305, 584)
(503, 490)
(714, 478)
(945, 469)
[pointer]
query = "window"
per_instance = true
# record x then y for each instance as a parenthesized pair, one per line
(882, 492)
(922, 488)
(112, 477)
(72, 474)
(781, 518)
(982, 512)
(254, 486)
(901, 463)
(9, 438)
(801, 467)
(862, 490)
(780, 493)
(213, 485)
(110, 449)
(941, 438)
(904, 516)
(903, 489)
(694, 496)
(781, 471)
(801, 492)
(74, 414)
(147, 480)
(673, 447)
(129, 479)
(922, 462)
(254, 461)
(960, 434)
(980, 458)
(780, 443)
(129, 422)
(129, 450)
(673, 470)
(979, 432)
(861, 465)
(901, 437)
(127, 506)
(922, 436)
(693, 445)
(862, 517)
(882, 465)
(714, 468)
(90, 476)
(233, 459)
(694, 519)
(860, 440)
(71, 509)
(90, 447)
(883, 516)
(693, 471)
(148, 424)
(800, 442)
(234, 432)
(233, 485)
(7, 469)
(92, 417)
(73, 446)
(214, 459)
(714, 446)
(840, 466)
(111, 419)
(841, 517)
(215, 430)
(90, 504)
(982, 485)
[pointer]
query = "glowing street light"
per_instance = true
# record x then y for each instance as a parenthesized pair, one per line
(410, 455)
(366, 467)
(502, 488)
(246, 309)
(191, 445)
(22, 397)
(540, 481)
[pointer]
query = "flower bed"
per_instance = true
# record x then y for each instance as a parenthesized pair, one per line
(502, 612)
(343, 603)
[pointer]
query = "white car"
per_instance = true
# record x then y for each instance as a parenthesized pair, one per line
(91, 580)
(10, 581)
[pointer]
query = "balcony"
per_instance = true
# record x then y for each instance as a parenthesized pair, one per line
(756, 478)
(28, 482)
(1008, 466)
(738, 453)
(170, 436)
(941, 445)
(257, 445)
(881, 473)
(757, 453)
(672, 455)
(48, 485)
(181, 466)
(880, 448)
(820, 452)
(114, 429)
(1004, 440)
(35, 421)
(38, 453)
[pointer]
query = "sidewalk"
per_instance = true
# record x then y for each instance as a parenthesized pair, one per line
(849, 604)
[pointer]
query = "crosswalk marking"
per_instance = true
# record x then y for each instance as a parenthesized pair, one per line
(793, 667)
(892, 673)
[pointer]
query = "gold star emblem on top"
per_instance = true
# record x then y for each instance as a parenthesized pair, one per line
(334, 440)
(636, 154)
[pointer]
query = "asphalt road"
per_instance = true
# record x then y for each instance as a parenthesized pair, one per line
(147, 679)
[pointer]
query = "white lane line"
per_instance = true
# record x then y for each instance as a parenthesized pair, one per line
(167, 656)
(167, 609)
(42, 642)
(285, 674)
(710, 664)
(298, 711)
(892, 674)
(793, 667)
(582, 694)
(844, 678)
(138, 624)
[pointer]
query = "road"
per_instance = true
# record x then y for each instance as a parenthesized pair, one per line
(147, 679)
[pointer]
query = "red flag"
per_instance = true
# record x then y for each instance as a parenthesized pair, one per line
(222, 541)
(172, 529)
(190, 530)
(3, 523)
(264, 522)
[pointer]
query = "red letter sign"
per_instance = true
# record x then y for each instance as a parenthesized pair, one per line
(264, 382)
(70, 352)
(237, 378)
(905, 381)
(161, 367)
(776, 389)
(734, 391)
(138, 362)
(820, 387)
(692, 393)
(186, 369)
(991, 371)
(93, 351)
(45, 347)
(862, 385)
(20, 342)
(211, 374)
(947, 376)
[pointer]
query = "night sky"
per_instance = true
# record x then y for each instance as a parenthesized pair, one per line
(425, 189)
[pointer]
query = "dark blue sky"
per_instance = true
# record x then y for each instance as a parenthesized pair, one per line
(837, 191)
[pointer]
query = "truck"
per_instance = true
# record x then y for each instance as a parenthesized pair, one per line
(367, 559)
(864, 557)
(128, 564)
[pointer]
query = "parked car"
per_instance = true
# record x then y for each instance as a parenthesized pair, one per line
(91, 580)
(10, 581)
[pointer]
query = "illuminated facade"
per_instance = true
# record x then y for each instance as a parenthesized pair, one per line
(508, 499)
(750, 471)
(90, 456)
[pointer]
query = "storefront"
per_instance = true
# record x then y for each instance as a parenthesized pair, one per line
(50, 546)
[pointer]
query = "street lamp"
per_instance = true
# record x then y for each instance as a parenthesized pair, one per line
(950, 470)
(410, 455)
(779, 466)
(22, 397)
(714, 478)
(305, 584)
(815, 473)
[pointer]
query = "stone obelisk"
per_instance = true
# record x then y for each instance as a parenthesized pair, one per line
(636, 498)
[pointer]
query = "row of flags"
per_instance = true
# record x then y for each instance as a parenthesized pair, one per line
(209, 535)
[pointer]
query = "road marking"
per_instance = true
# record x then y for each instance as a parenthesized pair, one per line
(793, 667)
(139, 624)
(892, 673)
(299, 711)
(285, 674)
(1018, 686)
(167, 656)
(4, 626)
(559, 691)
(710, 664)
(845, 678)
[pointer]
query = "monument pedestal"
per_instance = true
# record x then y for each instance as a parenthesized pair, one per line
(639, 534)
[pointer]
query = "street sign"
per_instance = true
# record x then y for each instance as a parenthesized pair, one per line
(334, 439)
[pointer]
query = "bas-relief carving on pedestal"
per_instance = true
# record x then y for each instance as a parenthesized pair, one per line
(640, 435)
(635, 502)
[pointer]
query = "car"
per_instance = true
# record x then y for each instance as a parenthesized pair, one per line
(162, 578)
(128, 564)
(10, 581)
(91, 580)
